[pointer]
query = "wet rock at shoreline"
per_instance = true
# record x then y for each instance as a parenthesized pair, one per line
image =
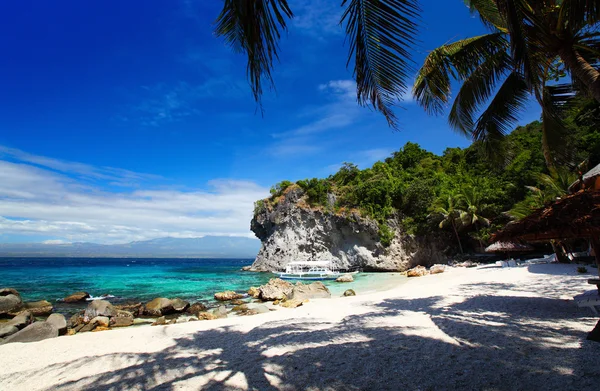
(103, 321)
(227, 295)
(195, 308)
(275, 289)
(121, 319)
(58, 321)
(10, 300)
(160, 321)
(99, 308)
(77, 297)
(254, 292)
(34, 332)
(293, 303)
(247, 268)
(39, 308)
(15, 324)
(220, 312)
(206, 316)
(316, 290)
(349, 292)
(163, 306)
(179, 305)
(345, 278)
(417, 271)
(136, 309)
(436, 269)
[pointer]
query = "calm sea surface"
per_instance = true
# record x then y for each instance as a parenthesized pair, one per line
(132, 280)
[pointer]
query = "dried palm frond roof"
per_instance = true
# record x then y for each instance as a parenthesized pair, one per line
(503, 247)
(573, 216)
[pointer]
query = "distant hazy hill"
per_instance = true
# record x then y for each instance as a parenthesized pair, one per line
(206, 247)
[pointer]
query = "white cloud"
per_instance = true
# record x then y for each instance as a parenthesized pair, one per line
(317, 18)
(41, 201)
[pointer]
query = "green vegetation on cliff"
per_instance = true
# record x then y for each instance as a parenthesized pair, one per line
(461, 191)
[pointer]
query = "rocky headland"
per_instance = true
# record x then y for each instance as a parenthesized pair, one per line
(292, 230)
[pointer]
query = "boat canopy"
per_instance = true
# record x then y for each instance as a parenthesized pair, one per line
(309, 263)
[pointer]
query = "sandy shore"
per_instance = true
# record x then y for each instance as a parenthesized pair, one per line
(486, 328)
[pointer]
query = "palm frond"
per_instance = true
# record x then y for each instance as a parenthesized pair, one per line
(254, 28)
(503, 111)
(380, 34)
(457, 60)
(577, 13)
(556, 101)
(488, 13)
(476, 90)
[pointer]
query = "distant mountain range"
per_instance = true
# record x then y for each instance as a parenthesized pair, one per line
(205, 247)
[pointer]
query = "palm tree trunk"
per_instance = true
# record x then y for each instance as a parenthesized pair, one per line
(457, 237)
(581, 69)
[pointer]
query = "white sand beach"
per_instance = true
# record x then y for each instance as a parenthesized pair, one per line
(485, 328)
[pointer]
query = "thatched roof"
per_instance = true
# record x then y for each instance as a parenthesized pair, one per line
(587, 178)
(573, 216)
(504, 247)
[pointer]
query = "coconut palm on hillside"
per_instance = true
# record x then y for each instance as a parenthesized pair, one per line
(531, 44)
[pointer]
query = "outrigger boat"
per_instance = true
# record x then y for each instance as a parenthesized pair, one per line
(310, 270)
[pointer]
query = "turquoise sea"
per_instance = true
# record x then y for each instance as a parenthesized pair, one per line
(134, 280)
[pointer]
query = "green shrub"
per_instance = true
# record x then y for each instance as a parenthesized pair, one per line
(386, 235)
(259, 207)
(279, 188)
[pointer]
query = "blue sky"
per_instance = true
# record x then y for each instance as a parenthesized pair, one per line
(129, 120)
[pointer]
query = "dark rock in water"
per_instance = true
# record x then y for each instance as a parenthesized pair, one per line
(195, 308)
(158, 307)
(34, 332)
(220, 312)
(160, 321)
(227, 295)
(10, 300)
(99, 308)
(179, 305)
(122, 319)
(275, 289)
(77, 297)
(58, 321)
(136, 309)
(349, 292)
(39, 308)
(316, 290)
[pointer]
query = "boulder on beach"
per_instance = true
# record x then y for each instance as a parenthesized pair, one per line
(275, 289)
(160, 321)
(316, 290)
(17, 323)
(258, 308)
(206, 316)
(179, 305)
(38, 308)
(136, 309)
(293, 303)
(158, 307)
(10, 300)
(220, 312)
(34, 332)
(436, 269)
(6, 330)
(227, 295)
(103, 321)
(58, 321)
(345, 278)
(121, 319)
(417, 271)
(99, 308)
(349, 292)
(195, 308)
(77, 297)
(254, 292)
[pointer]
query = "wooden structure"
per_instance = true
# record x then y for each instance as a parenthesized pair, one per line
(576, 216)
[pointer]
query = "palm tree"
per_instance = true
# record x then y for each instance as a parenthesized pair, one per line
(474, 206)
(380, 33)
(447, 207)
(531, 43)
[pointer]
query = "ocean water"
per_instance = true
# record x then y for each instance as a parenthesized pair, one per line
(134, 280)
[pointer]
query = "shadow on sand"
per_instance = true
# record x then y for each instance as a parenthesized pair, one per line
(485, 342)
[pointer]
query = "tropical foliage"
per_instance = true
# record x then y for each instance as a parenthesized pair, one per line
(531, 47)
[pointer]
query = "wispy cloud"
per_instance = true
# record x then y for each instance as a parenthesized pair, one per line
(317, 18)
(38, 200)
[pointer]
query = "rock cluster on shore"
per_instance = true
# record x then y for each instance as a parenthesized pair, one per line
(100, 315)
(420, 271)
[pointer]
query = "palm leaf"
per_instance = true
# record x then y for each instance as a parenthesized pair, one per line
(456, 60)
(253, 28)
(502, 113)
(575, 14)
(380, 33)
(556, 101)
(476, 90)
(488, 13)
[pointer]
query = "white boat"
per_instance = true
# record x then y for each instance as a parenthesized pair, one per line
(310, 270)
